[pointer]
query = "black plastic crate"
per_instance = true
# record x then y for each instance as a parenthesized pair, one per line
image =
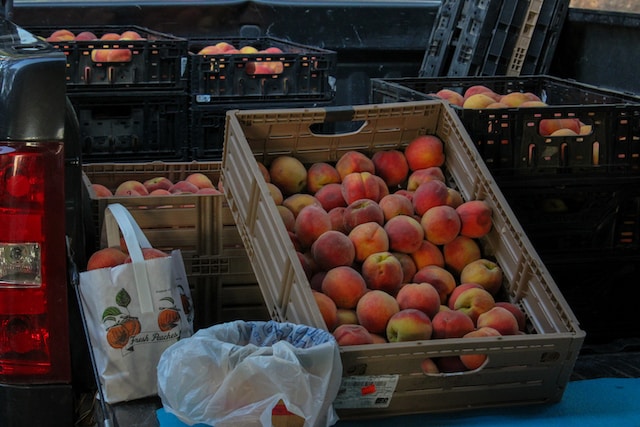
(132, 126)
(444, 38)
(306, 73)
(508, 138)
(158, 61)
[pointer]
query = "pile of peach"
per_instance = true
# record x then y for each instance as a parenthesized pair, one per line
(251, 67)
(391, 251)
(194, 183)
(99, 55)
(482, 97)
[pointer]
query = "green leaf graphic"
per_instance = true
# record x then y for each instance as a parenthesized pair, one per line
(110, 312)
(123, 299)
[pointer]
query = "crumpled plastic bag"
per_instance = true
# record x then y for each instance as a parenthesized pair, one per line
(234, 374)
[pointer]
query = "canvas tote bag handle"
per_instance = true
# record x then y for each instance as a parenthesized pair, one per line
(118, 218)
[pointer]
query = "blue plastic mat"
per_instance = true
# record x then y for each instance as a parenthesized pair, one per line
(599, 402)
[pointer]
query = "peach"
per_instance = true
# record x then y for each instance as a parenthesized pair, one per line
(451, 302)
(347, 316)
(547, 126)
(275, 193)
(350, 334)
(131, 188)
(183, 187)
(383, 189)
(336, 215)
(61, 35)
(441, 279)
(310, 223)
(419, 176)
(344, 285)
(315, 282)
(253, 67)
(424, 151)
(200, 180)
(475, 361)
(454, 198)
(459, 252)
(441, 224)
(287, 216)
(473, 302)
(394, 205)
(383, 271)
(332, 249)
(330, 196)
(327, 308)
(360, 185)
(85, 36)
(163, 192)
(320, 174)
(427, 254)
(307, 263)
(379, 339)
(517, 313)
(157, 182)
(110, 36)
(405, 234)
(500, 319)
(354, 161)
(429, 194)
(420, 296)
(374, 309)
(361, 211)
(452, 96)
(106, 258)
(391, 166)
(409, 325)
(369, 238)
(475, 218)
(296, 202)
(209, 50)
(118, 55)
(533, 103)
(264, 171)
(101, 191)
(451, 324)
(478, 101)
(289, 174)
(224, 46)
(514, 99)
(429, 366)
(409, 268)
(208, 191)
(149, 253)
(496, 105)
(130, 35)
(484, 272)
(472, 90)
(564, 132)
(450, 364)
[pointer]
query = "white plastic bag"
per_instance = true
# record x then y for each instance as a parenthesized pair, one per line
(234, 374)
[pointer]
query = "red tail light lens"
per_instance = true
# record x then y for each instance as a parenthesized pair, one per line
(34, 342)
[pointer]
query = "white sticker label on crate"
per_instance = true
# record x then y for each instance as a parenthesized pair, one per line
(366, 391)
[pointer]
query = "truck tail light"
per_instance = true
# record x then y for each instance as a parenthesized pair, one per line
(34, 342)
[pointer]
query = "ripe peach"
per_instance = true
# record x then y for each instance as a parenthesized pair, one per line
(149, 253)
(495, 105)
(419, 176)
(532, 103)
(451, 302)
(514, 99)
(451, 324)
(420, 296)
(452, 96)
(295, 202)
(517, 313)
(454, 198)
(450, 364)
(183, 187)
(475, 361)
(500, 319)
(130, 35)
(336, 215)
(163, 192)
(61, 35)
(119, 55)
(332, 249)
(101, 191)
(157, 182)
(316, 280)
(354, 161)
(361, 211)
(441, 224)
(383, 271)
(383, 189)
(429, 194)
(199, 179)
(473, 302)
(310, 223)
(287, 217)
(472, 90)
(475, 218)
(368, 238)
(307, 263)
(424, 151)
(405, 234)
(409, 268)
(85, 35)
(208, 191)
(264, 171)
(391, 166)
(350, 334)
(344, 285)
(276, 194)
(347, 316)
(320, 174)
(441, 279)
(459, 252)
(360, 185)
(547, 126)
(484, 272)
(289, 174)
(131, 188)
(409, 325)
(106, 257)
(564, 132)
(478, 101)
(110, 36)
(327, 308)
(374, 309)
(427, 254)
(330, 196)
(429, 367)
(395, 204)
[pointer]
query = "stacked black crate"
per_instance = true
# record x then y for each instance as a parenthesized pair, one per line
(248, 73)
(128, 86)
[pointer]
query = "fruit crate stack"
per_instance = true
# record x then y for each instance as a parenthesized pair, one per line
(251, 72)
(495, 37)
(526, 368)
(128, 85)
(576, 195)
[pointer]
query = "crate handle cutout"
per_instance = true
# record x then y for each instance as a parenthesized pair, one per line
(338, 121)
